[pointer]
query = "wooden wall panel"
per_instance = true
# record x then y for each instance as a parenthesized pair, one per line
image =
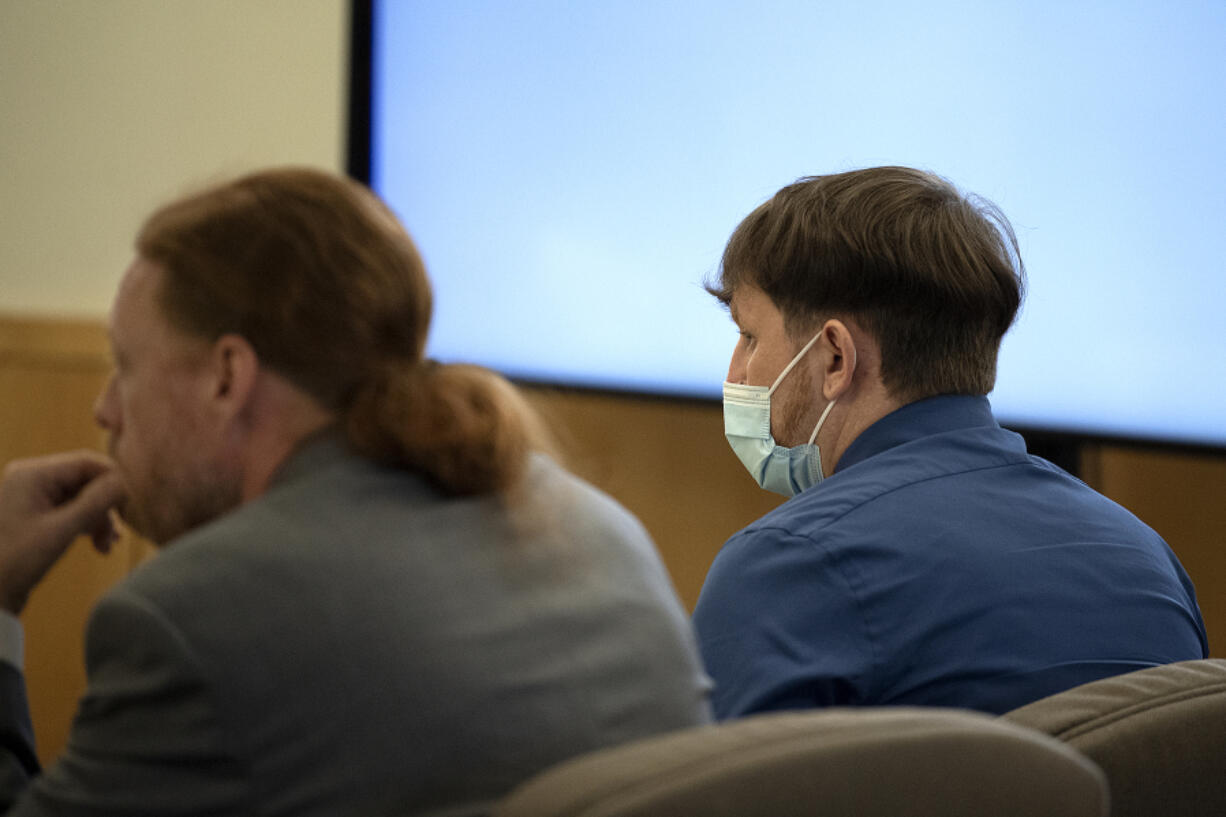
(1183, 497)
(50, 373)
(665, 460)
(668, 463)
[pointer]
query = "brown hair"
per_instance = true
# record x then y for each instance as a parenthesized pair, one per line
(323, 281)
(934, 276)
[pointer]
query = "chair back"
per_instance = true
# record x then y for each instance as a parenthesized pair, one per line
(1159, 734)
(833, 763)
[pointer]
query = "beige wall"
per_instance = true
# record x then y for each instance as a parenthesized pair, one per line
(108, 107)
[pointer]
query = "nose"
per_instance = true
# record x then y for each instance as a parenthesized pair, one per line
(105, 414)
(736, 366)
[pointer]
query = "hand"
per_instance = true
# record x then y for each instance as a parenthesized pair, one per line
(45, 503)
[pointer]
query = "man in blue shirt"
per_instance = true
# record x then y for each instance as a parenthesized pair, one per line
(924, 557)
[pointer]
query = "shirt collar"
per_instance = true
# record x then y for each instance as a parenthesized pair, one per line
(923, 418)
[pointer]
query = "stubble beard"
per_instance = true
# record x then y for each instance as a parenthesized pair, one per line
(797, 408)
(170, 505)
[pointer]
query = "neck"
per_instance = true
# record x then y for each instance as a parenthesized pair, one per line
(280, 420)
(858, 414)
(263, 465)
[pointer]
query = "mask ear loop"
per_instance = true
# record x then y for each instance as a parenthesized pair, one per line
(821, 420)
(790, 366)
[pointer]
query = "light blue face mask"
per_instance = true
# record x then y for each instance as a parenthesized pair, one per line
(747, 425)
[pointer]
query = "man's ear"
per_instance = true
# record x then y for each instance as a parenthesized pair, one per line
(840, 359)
(233, 368)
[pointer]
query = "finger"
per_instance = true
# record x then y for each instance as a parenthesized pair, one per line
(107, 533)
(89, 510)
(104, 536)
(71, 470)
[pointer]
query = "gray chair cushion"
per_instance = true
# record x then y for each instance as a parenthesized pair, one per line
(867, 762)
(1159, 735)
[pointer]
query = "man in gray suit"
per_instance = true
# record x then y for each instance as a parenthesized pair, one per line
(377, 596)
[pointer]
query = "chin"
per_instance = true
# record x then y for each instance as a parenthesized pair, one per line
(176, 502)
(138, 523)
(153, 523)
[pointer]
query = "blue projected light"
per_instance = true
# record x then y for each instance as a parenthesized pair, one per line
(571, 172)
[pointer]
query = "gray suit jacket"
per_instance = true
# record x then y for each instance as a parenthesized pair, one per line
(354, 643)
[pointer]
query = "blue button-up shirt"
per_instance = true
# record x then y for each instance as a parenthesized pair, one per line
(940, 565)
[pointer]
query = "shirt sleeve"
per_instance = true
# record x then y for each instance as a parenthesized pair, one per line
(780, 626)
(18, 762)
(147, 738)
(12, 640)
